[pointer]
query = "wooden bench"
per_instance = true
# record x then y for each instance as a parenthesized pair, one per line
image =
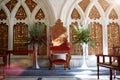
(21, 52)
(108, 61)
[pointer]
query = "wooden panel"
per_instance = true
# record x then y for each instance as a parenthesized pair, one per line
(40, 15)
(96, 35)
(43, 50)
(113, 15)
(76, 49)
(104, 4)
(113, 36)
(20, 31)
(75, 15)
(83, 4)
(21, 14)
(2, 15)
(94, 14)
(11, 4)
(31, 4)
(3, 36)
(58, 30)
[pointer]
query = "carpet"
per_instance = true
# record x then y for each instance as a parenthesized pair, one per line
(21, 78)
(18, 71)
(58, 74)
(57, 78)
(85, 77)
(40, 78)
(62, 72)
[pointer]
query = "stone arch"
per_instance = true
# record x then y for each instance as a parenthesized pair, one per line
(2, 6)
(68, 8)
(48, 11)
(80, 11)
(99, 8)
(103, 20)
(3, 29)
(109, 11)
(44, 4)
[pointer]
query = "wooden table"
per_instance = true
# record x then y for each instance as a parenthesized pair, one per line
(21, 52)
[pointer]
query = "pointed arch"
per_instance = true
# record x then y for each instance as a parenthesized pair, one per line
(21, 14)
(2, 15)
(31, 4)
(113, 15)
(68, 8)
(11, 4)
(4, 8)
(98, 7)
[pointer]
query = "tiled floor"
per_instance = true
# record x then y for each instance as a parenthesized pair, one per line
(57, 74)
(82, 77)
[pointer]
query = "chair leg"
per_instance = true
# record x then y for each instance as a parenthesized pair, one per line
(52, 66)
(98, 72)
(110, 74)
(68, 66)
(65, 66)
(114, 74)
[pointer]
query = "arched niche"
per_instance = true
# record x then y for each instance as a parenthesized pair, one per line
(31, 12)
(95, 12)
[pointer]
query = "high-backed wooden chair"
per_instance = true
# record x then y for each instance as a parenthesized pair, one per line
(59, 45)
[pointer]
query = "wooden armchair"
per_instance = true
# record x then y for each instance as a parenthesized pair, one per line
(59, 61)
(59, 45)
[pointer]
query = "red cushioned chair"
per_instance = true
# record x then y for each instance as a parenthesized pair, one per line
(56, 51)
(59, 45)
(59, 61)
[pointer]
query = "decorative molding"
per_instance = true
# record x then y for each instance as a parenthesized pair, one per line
(76, 49)
(3, 36)
(113, 15)
(2, 15)
(11, 4)
(84, 4)
(94, 13)
(31, 4)
(40, 15)
(104, 4)
(113, 36)
(57, 30)
(21, 14)
(75, 15)
(20, 30)
(96, 35)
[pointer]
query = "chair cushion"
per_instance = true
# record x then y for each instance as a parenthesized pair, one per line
(59, 61)
(59, 56)
(57, 48)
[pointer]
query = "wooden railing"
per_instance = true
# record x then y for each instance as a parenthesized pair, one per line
(108, 61)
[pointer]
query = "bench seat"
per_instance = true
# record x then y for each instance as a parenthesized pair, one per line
(108, 61)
